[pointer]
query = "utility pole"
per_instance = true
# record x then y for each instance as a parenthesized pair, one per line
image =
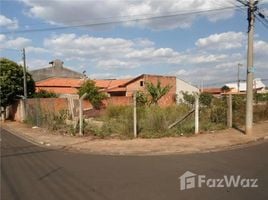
(250, 68)
(238, 77)
(24, 74)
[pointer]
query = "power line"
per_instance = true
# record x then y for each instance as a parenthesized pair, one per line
(119, 21)
(261, 21)
(9, 49)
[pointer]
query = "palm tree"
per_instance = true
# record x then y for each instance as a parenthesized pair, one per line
(156, 91)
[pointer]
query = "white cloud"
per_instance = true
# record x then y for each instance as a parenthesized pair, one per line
(38, 50)
(261, 47)
(14, 43)
(115, 64)
(8, 23)
(116, 56)
(37, 63)
(207, 58)
(2, 38)
(19, 42)
(81, 46)
(88, 11)
(222, 41)
(102, 75)
(110, 53)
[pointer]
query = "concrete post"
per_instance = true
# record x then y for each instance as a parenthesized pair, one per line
(250, 69)
(23, 109)
(229, 111)
(135, 114)
(196, 114)
(3, 114)
(81, 114)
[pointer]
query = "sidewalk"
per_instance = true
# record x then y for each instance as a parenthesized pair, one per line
(220, 140)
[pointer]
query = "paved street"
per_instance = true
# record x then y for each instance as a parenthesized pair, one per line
(32, 172)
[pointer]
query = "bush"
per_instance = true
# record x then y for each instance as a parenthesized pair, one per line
(45, 94)
(261, 97)
(239, 109)
(206, 99)
(260, 112)
(54, 121)
(188, 98)
(94, 96)
(152, 121)
(218, 113)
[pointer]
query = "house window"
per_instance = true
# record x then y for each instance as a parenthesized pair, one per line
(141, 83)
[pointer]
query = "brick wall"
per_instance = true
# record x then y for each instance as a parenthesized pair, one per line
(166, 100)
(33, 106)
(118, 101)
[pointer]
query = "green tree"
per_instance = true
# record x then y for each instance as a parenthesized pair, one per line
(94, 96)
(11, 82)
(188, 98)
(45, 94)
(141, 98)
(156, 92)
(206, 99)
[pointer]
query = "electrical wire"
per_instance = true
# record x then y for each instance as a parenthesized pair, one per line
(9, 49)
(118, 21)
(262, 21)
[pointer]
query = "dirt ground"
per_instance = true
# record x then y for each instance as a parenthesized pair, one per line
(220, 140)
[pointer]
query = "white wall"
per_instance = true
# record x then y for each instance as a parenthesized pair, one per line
(183, 86)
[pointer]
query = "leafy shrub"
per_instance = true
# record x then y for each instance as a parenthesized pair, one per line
(45, 94)
(258, 97)
(219, 111)
(206, 99)
(141, 98)
(188, 98)
(93, 94)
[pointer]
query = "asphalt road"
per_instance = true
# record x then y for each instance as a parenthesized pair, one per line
(31, 172)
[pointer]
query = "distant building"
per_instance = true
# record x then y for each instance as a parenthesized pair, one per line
(56, 70)
(216, 92)
(60, 85)
(258, 86)
(120, 87)
(139, 84)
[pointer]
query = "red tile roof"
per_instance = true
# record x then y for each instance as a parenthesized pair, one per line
(59, 90)
(60, 82)
(70, 85)
(112, 83)
(212, 90)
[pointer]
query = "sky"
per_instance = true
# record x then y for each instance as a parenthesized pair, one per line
(200, 41)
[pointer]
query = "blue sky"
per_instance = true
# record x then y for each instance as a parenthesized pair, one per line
(202, 47)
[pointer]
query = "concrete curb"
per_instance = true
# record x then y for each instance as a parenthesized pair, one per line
(70, 148)
(31, 139)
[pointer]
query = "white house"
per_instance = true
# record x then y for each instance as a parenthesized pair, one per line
(183, 86)
(257, 85)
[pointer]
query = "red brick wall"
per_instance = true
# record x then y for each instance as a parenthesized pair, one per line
(44, 104)
(166, 100)
(135, 86)
(49, 104)
(118, 101)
